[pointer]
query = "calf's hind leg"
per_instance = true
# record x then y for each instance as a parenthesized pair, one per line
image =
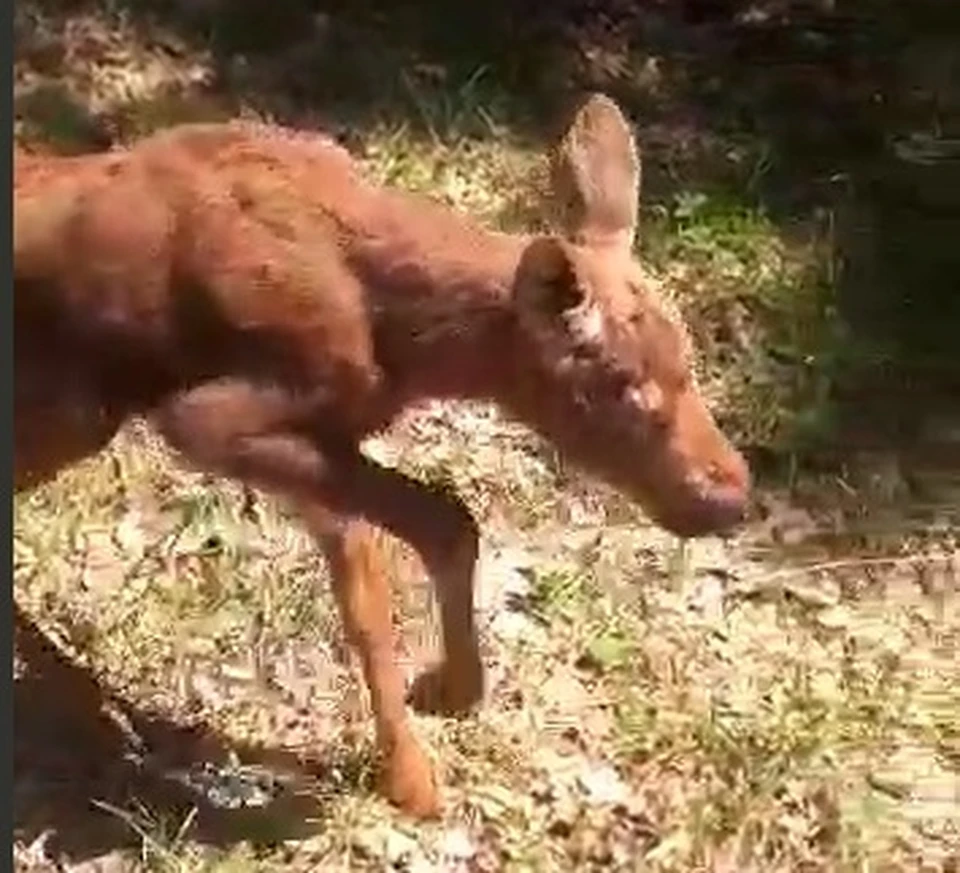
(256, 436)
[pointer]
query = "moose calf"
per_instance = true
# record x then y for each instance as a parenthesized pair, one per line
(267, 309)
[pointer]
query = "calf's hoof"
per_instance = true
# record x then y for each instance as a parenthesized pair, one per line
(407, 780)
(444, 691)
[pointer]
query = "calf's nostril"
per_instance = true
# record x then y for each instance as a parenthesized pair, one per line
(733, 477)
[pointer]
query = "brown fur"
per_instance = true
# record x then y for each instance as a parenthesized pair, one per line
(245, 288)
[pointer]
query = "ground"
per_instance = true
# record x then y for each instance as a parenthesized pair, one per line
(785, 699)
(774, 701)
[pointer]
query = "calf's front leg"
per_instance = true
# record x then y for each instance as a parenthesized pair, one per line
(265, 439)
(363, 596)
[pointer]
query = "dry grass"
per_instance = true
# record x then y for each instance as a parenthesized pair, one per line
(650, 706)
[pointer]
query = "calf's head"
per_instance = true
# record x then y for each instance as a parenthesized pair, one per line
(607, 370)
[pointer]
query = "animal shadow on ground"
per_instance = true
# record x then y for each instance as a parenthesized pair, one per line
(84, 759)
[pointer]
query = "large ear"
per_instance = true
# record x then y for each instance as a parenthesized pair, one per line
(595, 175)
(546, 281)
(549, 290)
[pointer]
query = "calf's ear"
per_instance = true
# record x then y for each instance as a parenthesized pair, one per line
(595, 175)
(547, 282)
(549, 292)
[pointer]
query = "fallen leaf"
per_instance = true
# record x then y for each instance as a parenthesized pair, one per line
(457, 845)
(602, 785)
